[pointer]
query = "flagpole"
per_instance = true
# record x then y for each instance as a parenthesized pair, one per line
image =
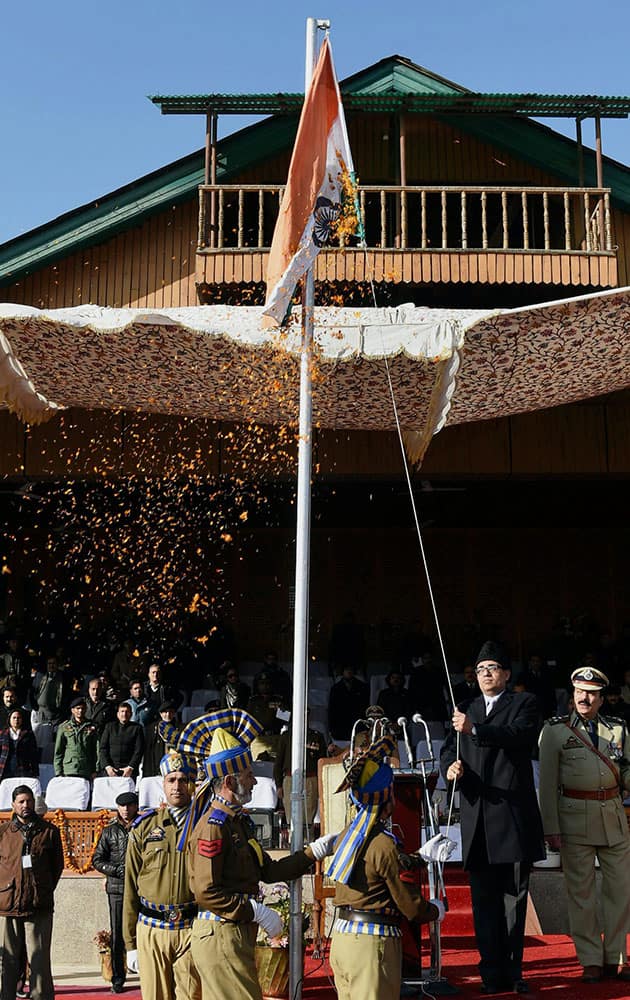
(302, 566)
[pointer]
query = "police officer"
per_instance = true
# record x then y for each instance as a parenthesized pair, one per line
(371, 899)
(583, 769)
(76, 747)
(226, 862)
(158, 907)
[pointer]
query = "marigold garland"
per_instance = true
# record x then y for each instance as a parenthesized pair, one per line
(60, 821)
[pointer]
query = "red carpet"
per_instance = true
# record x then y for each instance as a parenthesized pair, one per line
(550, 967)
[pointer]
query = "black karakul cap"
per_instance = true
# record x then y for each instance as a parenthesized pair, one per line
(76, 702)
(127, 799)
(493, 651)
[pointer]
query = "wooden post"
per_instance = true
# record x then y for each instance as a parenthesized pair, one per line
(401, 220)
(600, 181)
(580, 152)
(213, 179)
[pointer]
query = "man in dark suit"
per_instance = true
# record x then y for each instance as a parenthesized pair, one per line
(488, 752)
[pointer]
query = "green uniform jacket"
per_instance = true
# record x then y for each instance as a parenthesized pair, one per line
(567, 762)
(154, 869)
(76, 750)
(375, 882)
(225, 867)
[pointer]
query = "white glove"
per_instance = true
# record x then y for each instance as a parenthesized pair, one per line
(438, 848)
(440, 906)
(323, 846)
(132, 960)
(270, 920)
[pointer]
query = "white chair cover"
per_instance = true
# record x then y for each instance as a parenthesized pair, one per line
(264, 796)
(150, 792)
(68, 793)
(8, 784)
(106, 790)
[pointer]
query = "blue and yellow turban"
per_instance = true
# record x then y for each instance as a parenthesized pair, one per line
(174, 759)
(222, 740)
(369, 781)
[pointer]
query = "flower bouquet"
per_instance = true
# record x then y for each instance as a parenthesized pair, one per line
(103, 941)
(272, 955)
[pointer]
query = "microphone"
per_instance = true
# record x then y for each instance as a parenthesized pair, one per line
(419, 721)
(402, 722)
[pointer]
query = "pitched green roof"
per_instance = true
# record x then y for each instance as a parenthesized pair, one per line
(393, 79)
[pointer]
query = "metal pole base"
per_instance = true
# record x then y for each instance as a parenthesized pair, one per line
(425, 986)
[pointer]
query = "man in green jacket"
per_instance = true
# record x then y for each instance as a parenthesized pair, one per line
(76, 748)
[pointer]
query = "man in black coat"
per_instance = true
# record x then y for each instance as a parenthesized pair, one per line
(109, 859)
(122, 745)
(488, 752)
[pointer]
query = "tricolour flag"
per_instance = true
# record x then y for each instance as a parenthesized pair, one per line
(320, 173)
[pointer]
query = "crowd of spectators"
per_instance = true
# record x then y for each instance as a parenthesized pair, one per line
(104, 694)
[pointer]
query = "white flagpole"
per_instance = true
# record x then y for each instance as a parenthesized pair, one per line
(302, 566)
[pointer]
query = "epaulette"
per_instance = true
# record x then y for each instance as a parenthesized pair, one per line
(217, 816)
(609, 720)
(142, 816)
(556, 719)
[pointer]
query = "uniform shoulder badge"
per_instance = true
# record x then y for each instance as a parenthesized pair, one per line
(142, 816)
(217, 816)
(555, 719)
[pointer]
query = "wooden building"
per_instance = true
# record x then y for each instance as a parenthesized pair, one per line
(468, 203)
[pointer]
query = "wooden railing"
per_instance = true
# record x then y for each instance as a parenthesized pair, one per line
(515, 219)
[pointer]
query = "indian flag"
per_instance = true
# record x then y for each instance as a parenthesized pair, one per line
(320, 182)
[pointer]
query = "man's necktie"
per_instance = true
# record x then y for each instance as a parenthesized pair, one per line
(592, 732)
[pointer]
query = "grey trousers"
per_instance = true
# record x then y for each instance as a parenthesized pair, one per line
(34, 935)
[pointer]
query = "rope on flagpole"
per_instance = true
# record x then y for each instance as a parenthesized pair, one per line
(425, 563)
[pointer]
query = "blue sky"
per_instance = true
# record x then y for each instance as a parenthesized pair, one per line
(74, 77)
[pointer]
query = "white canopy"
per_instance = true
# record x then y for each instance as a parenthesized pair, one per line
(446, 366)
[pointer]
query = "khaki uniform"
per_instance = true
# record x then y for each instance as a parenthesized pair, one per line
(226, 864)
(159, 909)
(590, 828)
(366, 952)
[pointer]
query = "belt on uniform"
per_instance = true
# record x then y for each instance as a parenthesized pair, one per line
(168, 912)
(371, 916)
(599, 795)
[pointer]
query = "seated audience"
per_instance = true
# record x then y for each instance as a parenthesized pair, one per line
(19, 754)
(264, 705)
(315, 750)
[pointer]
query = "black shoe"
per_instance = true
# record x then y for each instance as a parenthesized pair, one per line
(490, 988)
(520, 986)
(117, 987)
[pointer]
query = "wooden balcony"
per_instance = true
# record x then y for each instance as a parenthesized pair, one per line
(485, 235)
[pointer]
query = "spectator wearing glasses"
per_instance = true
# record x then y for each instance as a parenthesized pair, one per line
(488, 752)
